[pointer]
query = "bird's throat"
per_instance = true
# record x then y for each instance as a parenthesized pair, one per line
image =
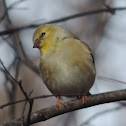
(47, 48)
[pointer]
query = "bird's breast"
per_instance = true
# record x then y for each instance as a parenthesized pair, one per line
(62, 77)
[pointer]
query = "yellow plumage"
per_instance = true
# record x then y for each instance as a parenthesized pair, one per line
(66, 62)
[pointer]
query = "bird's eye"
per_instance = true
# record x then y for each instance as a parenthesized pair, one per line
(42, 35)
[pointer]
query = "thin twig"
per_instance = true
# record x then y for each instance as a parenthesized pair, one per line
(7, 41)
(19, 83)
(23, 100)
(110, 79)
(8, 8)
(22, 114)
(29, 112)
(6, 12)
(112, 11)
(26, 60)
(23, 91)
(106, 10)
(8, 72)
(20, 46)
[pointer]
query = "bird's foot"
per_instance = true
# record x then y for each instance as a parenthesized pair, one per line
(59, 103)
(83, 98)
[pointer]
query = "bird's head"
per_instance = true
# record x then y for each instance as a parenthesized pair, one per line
(46, 37)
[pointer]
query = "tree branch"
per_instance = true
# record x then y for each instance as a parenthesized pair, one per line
(106, 10)
(47, 113)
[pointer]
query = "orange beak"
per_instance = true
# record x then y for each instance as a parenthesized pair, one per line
(37, 44)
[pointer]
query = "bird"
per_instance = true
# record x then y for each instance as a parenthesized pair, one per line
(66, 63)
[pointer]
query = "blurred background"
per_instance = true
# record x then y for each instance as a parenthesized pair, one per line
(104, 32)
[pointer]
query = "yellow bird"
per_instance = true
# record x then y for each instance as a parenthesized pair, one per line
(66, 63)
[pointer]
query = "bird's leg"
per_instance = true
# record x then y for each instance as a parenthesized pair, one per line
(59, 102)
(83, 98)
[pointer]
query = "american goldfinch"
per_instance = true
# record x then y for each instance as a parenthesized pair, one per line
(66, 63)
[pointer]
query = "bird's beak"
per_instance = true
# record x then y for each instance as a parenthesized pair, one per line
(37, 44)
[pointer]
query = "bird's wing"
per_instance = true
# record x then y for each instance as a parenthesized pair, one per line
(89, 51)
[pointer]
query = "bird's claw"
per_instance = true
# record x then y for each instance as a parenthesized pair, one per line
(59, 103)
